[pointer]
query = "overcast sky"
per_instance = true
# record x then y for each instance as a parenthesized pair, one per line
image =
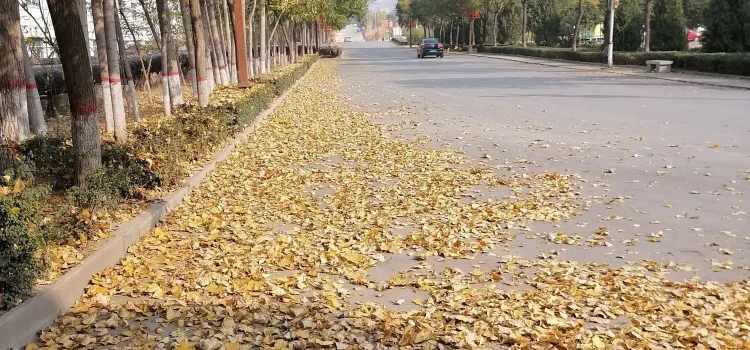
(382, 4)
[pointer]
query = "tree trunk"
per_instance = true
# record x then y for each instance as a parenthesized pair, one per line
(128, 72)
(451, 33)
(201, 64)
(647, 20)
(578, 25)
(97, 12)
(217, 23)
(190, 43)
(213, 75)
(250, 40)
(85, 126)
(36, 115)
(173, 73)
(161, 10)
(494, 28)
(270, 42)
(231, 54)
(263, 50)
(82, 14)
(523, 26)
(218, 46)
(12, 84)
(605, 30)
(147, 14)
(144, 69)
(113, 59)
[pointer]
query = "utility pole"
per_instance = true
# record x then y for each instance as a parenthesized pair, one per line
(610, 47)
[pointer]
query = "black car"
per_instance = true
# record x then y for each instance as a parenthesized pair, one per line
(430, 47)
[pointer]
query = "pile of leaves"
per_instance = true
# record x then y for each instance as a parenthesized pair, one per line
(270, 251)
(161, 153)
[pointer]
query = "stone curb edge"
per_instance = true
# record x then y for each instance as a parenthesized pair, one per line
(603, 70)
(20, 325)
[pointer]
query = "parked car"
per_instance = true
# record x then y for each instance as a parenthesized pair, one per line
(694, 35)
(347, 39)
(430, 46)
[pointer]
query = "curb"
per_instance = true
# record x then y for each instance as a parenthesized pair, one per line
(21, 324)
(604, 70)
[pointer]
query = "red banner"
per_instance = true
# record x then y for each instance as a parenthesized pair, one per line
(475, 14)
(414, 23)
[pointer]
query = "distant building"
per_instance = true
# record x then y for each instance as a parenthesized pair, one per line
(35, 22)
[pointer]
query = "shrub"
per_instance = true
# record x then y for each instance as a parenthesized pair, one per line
(21, 237)
(668, 26)
(628, 34)
(724, 63)
(727, 26)
(52, 160)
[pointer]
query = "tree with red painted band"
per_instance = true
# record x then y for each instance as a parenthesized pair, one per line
(36, 115)
(201, 59)
(12, 83)
(128, 71)
(78, 78)
(113, 60)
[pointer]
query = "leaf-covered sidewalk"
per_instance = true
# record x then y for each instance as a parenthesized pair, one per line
(275, 250)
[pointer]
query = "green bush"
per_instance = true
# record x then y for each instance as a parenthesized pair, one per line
(53, 158)
(668, 26)
(21, 236)
(727, 26)
(628, 34)
(723, 63)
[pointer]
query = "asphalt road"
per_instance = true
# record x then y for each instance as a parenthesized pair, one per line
(659, 161)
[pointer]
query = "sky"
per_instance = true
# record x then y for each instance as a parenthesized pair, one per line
(381, 4)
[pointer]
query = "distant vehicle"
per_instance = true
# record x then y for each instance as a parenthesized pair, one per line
(693, 35)
(347, 39)
(430, 46)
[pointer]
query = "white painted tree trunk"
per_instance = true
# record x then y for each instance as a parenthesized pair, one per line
(175, 89)
(251, 41)
(214, 66)
(128, 73)
(36, 115)
(14, 117)
(97, 12)
(230, 44)
(190, 43)
(161, 9)
(263, 50)
(218, 46)
(113, 59)
(201, 61)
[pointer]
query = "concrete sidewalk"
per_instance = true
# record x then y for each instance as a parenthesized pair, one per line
(727, 81)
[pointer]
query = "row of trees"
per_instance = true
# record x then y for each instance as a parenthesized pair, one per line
(647, 24)
(203, 28)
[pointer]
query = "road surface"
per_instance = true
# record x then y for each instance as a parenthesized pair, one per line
(665, 167)
(499, 205)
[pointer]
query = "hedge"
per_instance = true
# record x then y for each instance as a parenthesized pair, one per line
(158, 155)
(724, 63)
